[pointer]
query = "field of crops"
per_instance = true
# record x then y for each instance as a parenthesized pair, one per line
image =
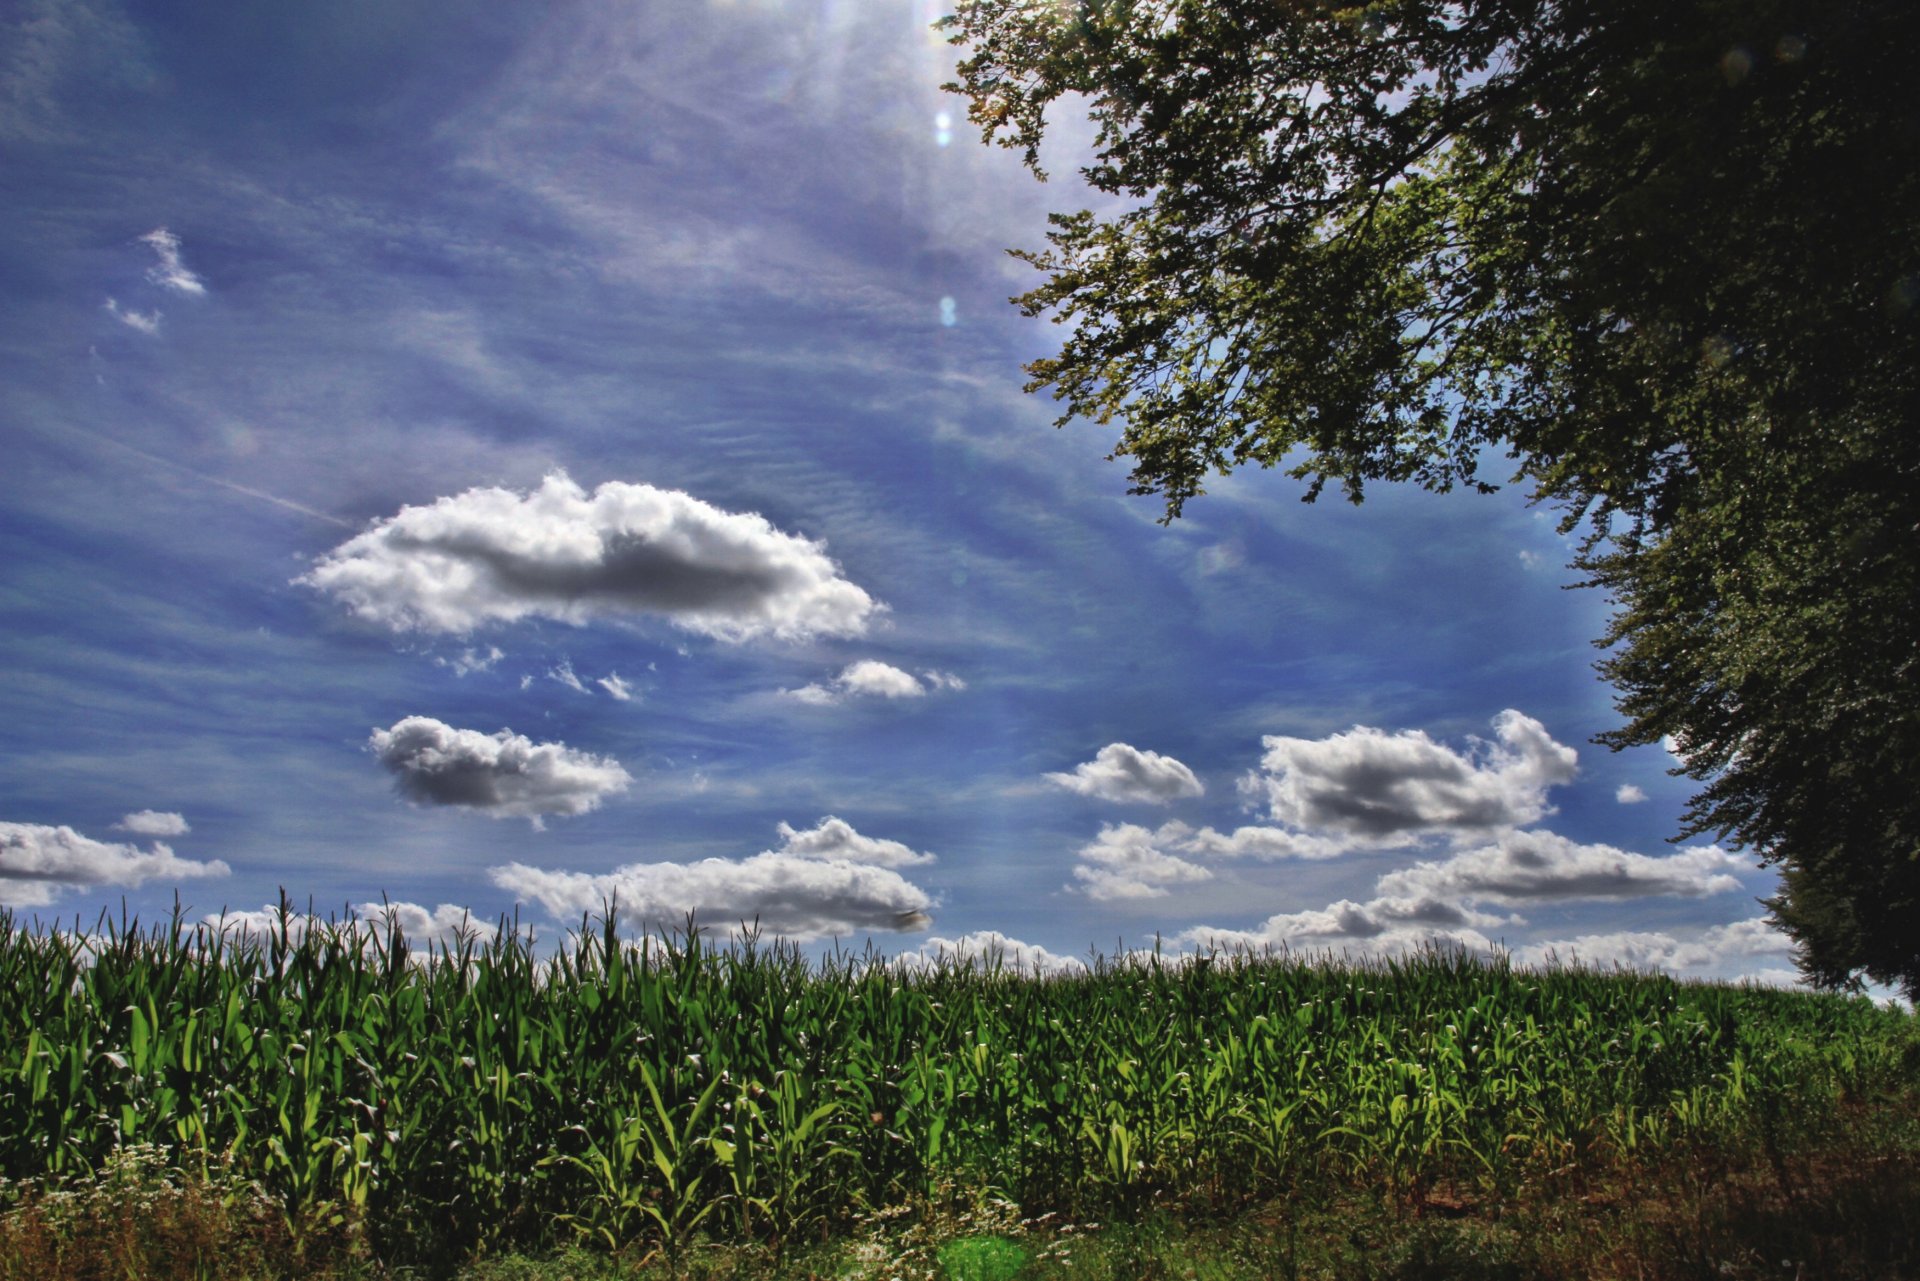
(664, 1091)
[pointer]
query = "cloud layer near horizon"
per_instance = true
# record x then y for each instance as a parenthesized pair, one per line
(494, 556)
(829, 880)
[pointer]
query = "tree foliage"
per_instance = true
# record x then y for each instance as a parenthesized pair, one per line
(1664, 257)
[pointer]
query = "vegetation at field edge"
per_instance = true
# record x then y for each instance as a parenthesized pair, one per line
(324, 1101)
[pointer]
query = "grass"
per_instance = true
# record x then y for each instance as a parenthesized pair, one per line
(175, 1103)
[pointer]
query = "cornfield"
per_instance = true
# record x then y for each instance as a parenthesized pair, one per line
(649, 1093)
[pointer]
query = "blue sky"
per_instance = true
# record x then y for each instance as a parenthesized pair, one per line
(492, 462)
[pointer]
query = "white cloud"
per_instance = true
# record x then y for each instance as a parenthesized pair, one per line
(1126, 861)
(984, 949)
(443, 926)
(1629, 794)
(419, 926)
(1382, 926)
(834, 838)
(621, 690)
(501, 775)
(827, 880)
(795, 897)
(1386, 789)
(471, 660)
(39, 862)
(1220, 558)
(170, 272)
(147, 322)
(153, 823)
(565, 675)
(871, 678)
(265, 921)
(1526, 867)
(1260, 843)
(491, 555)
(1720, 948)
(1123, 773)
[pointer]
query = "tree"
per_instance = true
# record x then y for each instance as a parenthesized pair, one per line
(1665, 257)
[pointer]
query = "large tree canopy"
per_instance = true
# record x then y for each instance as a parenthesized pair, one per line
(1664, 256)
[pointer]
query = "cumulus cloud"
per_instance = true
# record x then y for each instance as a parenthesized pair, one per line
(1441, 903)
(1394, 789)
(442, 927)
(791, 896)
(37, 863)
(1629, 794)
(1718, 948)
(824, 881)
(870, 678)
(873, 678)
(147, 322)
(620, 690)
(153, 823)
(1526, 867)
(1382, 926)
(1271, 843)
(501, 775)
(170, 272)
(1123, 773)
(1127, 861)
(985, 949)
(835, 838)
(493, 556)
(420, 927)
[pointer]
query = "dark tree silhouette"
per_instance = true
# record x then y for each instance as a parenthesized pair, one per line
(1663, 256)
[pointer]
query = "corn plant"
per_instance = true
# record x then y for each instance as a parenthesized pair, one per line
(646, 1091)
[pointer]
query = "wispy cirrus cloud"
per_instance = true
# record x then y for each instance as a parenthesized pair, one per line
(146, 322)
(170, 272)
(1120, 772)
(501, 775)
(495, 556)
(39, 862)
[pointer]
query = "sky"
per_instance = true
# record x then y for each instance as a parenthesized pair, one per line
(500, 461)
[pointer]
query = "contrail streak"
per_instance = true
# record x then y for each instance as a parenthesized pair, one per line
(247, 490)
